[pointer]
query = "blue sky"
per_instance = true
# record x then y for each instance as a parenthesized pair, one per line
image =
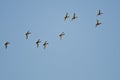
(85, 53)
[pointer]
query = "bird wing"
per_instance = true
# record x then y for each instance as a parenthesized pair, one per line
(97, 21)
(74, 14)
(99, 11)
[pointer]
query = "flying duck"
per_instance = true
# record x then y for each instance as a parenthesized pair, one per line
(45, 44)
(66, 16)
(74, 17)
(27, 33)
(61, 35)
(99, 13)
(98, 23)
(6, 44)
(38, 42)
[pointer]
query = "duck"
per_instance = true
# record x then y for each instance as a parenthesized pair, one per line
(6, 44)
(74, 17)
(38, 42)
(98, 23)
(99, 13)
(61, 35)
(27, 33)
(66, 16)
(45, 44)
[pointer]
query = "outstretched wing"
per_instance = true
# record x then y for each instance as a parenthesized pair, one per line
(74, 15)
(99, 11)
(97, 21)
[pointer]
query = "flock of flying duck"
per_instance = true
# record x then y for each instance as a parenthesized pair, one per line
(74, 17)
(38, 41)
(61, 34)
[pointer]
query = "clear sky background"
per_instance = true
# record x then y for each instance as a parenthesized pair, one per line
(85, 53)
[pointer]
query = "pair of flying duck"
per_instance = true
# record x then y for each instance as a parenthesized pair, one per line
(44, 44)
(67, 16)
(38, 41)
(97, 21)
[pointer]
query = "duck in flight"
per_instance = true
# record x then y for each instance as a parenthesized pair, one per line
(45, 44)
(99, 13)
(98, 23)
(6, 44)
(74, 17)
(61, 35)
(38, 42)
(66, 16)
(27, 34)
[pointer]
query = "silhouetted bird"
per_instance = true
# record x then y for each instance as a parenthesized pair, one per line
(38, 42)
(74, 16)
(61, 35)
(98, 23)
(66, 16)
(27, 33)
(6, 44)
(45, 44)
(99, 13)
